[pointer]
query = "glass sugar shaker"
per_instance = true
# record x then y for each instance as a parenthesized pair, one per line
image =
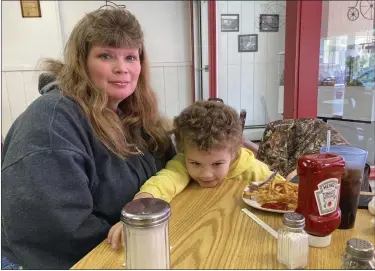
(293, 242)
(359, 254)
(146, 233)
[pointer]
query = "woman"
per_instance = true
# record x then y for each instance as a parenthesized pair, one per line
(83, 149)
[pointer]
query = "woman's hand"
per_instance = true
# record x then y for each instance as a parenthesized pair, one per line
(116, 236)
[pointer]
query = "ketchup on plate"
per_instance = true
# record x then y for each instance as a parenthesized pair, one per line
(319, 179)
(275, 206)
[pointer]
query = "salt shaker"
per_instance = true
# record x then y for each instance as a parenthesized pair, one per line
(293, 242)
(359, 254)
(146, 232)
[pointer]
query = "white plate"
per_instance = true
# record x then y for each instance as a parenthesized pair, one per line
(253, 203)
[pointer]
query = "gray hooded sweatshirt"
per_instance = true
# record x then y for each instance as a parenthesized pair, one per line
(61, 188)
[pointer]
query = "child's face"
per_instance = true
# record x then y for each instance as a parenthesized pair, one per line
(208, 168)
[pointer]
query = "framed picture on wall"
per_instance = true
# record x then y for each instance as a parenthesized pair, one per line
(230, 22)
(30, 9)
(269, 23)
(248, 43)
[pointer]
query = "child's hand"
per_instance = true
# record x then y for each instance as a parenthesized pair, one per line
(116, 236)
(143, 195)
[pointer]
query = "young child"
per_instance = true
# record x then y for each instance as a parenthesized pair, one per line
(209, 142)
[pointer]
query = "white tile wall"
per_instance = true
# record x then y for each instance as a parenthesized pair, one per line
(173, 86)
(19, 89)
(250, 80)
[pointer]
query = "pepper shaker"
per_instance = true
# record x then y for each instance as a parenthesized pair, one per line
(359, 254)
(146, 233)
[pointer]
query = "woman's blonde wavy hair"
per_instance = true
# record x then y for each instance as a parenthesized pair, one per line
(141, 125)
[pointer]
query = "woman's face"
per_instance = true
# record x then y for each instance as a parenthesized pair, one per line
(115, 70)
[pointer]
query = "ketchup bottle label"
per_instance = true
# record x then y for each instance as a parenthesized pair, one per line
(327, 196)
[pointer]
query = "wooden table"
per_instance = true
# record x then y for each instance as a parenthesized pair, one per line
(208, 230)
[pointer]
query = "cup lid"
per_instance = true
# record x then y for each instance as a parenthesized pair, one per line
(146, 212)
(344, 150)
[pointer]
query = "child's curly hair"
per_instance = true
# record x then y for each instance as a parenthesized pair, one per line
(208, 125)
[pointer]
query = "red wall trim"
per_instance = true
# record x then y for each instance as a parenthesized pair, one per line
(292, 29)
(192, 48)
(212, 48)
(311, 19)
(302, 46)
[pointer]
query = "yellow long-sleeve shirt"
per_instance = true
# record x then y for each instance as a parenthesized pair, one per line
(171, 180)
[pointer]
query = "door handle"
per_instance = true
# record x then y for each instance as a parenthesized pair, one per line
(203, 69)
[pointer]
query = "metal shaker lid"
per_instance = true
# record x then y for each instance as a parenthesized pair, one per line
(294, 220)
(146, 212)
(359, 248)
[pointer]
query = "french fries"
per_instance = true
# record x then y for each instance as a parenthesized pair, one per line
(277, 191)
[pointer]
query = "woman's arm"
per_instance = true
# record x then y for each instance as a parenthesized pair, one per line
(47, 210)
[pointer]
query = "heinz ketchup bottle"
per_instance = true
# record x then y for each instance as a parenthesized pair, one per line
(319, 179)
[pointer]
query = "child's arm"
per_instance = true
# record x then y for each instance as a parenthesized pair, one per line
(258, 171)
(116, 238)
(168, 182)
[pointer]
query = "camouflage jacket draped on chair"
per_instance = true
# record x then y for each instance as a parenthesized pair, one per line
(285, 141)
